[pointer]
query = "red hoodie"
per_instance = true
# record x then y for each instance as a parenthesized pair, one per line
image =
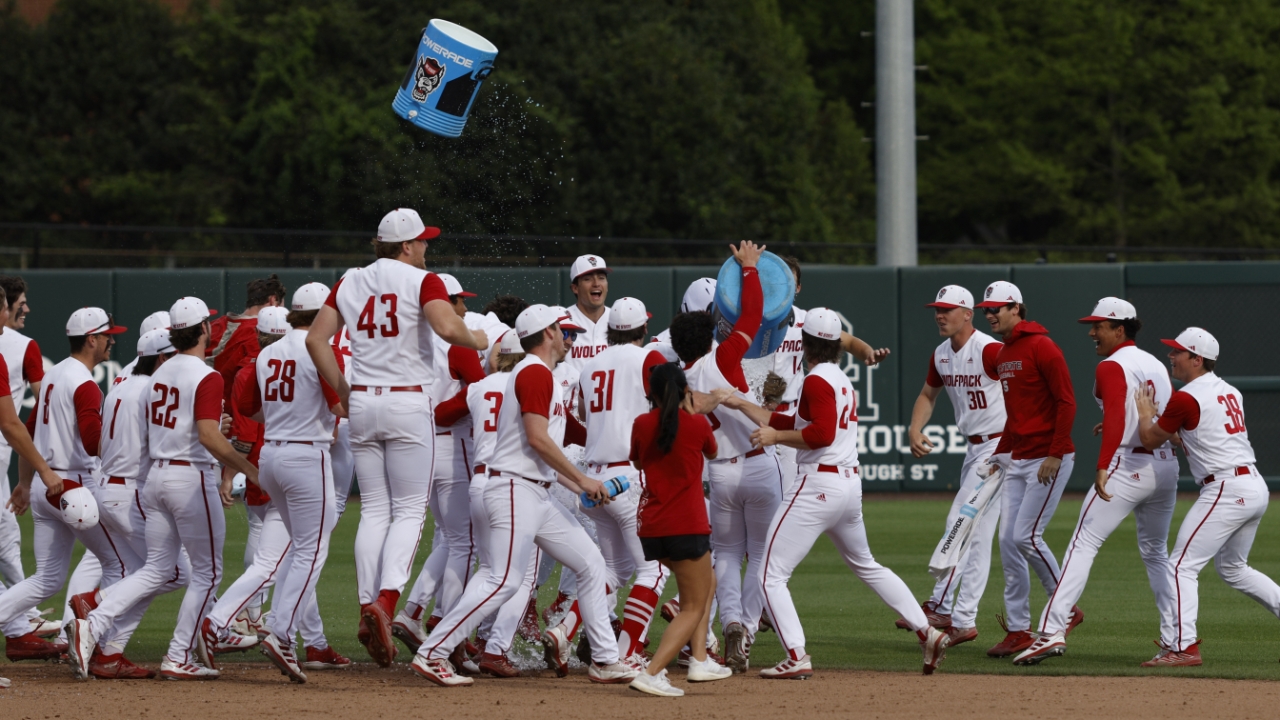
(1039, 404)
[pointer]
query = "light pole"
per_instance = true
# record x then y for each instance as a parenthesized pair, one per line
(895, 134)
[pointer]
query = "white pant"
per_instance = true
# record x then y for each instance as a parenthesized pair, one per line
(257, 515)
(831, 503)
(1026, 509)
(393, 440)
(260, 574)
(183, 512)
(1220, 526)
(344, 466)
(959, 592)
(787, 465)
(745, 494)
(501, 625)
(11, 571)
(447, 569)
(522, 515)
(1147, 486)
(616, 531)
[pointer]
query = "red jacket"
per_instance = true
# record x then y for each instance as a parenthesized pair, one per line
(1039, 403)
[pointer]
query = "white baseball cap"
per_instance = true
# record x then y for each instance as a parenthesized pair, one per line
(155, 342)
(536, 318)
(585, 264)
(628, 313)
(1111, 308)
(567, 323)
(158, 320)
(189, 312)
(79, 509)
(271, 320)
(823, 323)
(92, 321)
(1000, 293)
(452, 287)
(1197, 341)
(510, 344)
(310, 297)
(699, 296)
(953, 296)
(403, 224)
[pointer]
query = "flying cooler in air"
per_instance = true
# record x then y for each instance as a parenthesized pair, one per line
(779, 293)
(442, 82)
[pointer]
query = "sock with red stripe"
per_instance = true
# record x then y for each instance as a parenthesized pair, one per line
(571, 621)
(388, 599)
(636, 616)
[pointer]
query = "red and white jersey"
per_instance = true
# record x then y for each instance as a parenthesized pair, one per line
(591, 342)
(124, 450)
(530, 388)
(788, 359)
(443, 385)
(295, 400)
(484, 401)
(614, 394)
(827, 404)
(26, 365)
(566, 377)
(1138, 368)
(732, 428)
(972, 383)
(70, 401)
(1208, 414)
(381, 305)
(183, 390)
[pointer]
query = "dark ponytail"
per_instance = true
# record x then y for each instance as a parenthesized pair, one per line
(666, 392)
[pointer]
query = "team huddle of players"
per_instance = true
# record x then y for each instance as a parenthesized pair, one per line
(513, 427)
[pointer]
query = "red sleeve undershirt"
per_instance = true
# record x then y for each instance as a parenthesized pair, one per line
(1112, 390)
(209, 398)
(332, 300)
(818, 406)
(432, 289)
(464, 364)
(709, 446)
(247, 394)
(1182, 412)
(534, 389)
(729, 353)
(88, 402)
(575, 433)
(4, 373)
(452, 410)
(32, 363)
(989, 355)
(651, 361)
(1057, 377)
(933, 379)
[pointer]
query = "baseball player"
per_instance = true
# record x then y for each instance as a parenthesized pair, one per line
(526, 460)
(1129, 479)
(394, 309)
(1034, 453)
(788, 363)
(700, 296)
(184, 409)
(827, 498)
(1208, 415)
(158, 320)
(589, 282)
(125, 458)
(964, 365)
(234, 337)
(612, 392)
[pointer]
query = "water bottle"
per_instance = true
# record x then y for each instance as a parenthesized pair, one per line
(613, 486)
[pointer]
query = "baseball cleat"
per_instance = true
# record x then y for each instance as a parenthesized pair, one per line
(498, 666)
(931, 614)
(117, 667)
(655, 685)
(81, 648)
(439, 672)
(1014, 642)
(4, 682)
(1044, 647)
(432, 622)
(556, 608)
(83, 604)
(529, 629)
(30, 647)
(707, 671)
(611, 674)
(362, 632)
(583, 650)
(1075, 618)
(686, 656)
(933, 643)
(555, 650)
(958, 635)
(326, 659)
(638, 661)
(1168, 657)
(281, 655)
(203, 653)
(766, 625)
(46, 629)
(734, 647)
(408, 631)
(170, 670)
(462, 663)
(670, 609)
(381, 646)
(224, 642)
(790, 669)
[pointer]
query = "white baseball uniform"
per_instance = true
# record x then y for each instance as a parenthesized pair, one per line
(1208, 414)
(788, 364)
(521, 515)
(344, 462)
(25, 364)
(827, 498)
(592, 341)
(1140, 481)
(392, 431)
(969, 377)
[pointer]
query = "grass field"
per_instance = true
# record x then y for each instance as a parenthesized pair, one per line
(847, 625)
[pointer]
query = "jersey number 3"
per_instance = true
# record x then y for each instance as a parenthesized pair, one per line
(164, 403)
(366, 322)
(1234, 413)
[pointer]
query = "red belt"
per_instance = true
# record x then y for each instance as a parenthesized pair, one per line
(113, 480)
(1143, 451)
(543, 483)
(479, 470)
(833, 469)
(378, 390)
(183, 463)
(291, 442)
(754, 453)
(1242, 470)
(782, 407)
(976, 439)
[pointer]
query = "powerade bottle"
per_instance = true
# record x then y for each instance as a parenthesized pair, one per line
(613, 486)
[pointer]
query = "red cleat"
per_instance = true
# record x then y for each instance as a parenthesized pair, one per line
(117, 667)
(1014, 642)
(32, 647)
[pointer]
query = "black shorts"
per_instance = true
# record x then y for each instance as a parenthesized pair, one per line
(675, 547)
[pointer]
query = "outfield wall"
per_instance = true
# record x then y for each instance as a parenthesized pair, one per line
(884, 306)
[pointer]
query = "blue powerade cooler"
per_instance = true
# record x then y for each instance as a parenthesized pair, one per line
(444, 79)
(779, 292)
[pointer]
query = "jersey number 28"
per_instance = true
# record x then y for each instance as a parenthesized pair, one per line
(280, 385)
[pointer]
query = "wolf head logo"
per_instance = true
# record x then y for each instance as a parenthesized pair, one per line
(427, 77)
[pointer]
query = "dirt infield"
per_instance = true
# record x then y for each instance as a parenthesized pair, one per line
(365, 692)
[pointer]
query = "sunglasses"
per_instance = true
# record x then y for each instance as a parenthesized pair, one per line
(995, 310)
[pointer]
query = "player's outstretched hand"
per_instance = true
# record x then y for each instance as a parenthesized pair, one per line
(700, 403)
(876, 356)
(53, 486)
(595, 490)
(1097, 429)
(747, 253)
(1048, 470)
(1100, 484)
(920, 445)
(20, 499)
(1145, 400)
(764, 437)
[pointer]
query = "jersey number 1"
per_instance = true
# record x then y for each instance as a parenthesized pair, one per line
(365, 323)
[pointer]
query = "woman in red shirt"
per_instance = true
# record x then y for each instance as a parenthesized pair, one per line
(668, 445)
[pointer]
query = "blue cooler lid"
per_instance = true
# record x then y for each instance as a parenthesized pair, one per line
(779, 288)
